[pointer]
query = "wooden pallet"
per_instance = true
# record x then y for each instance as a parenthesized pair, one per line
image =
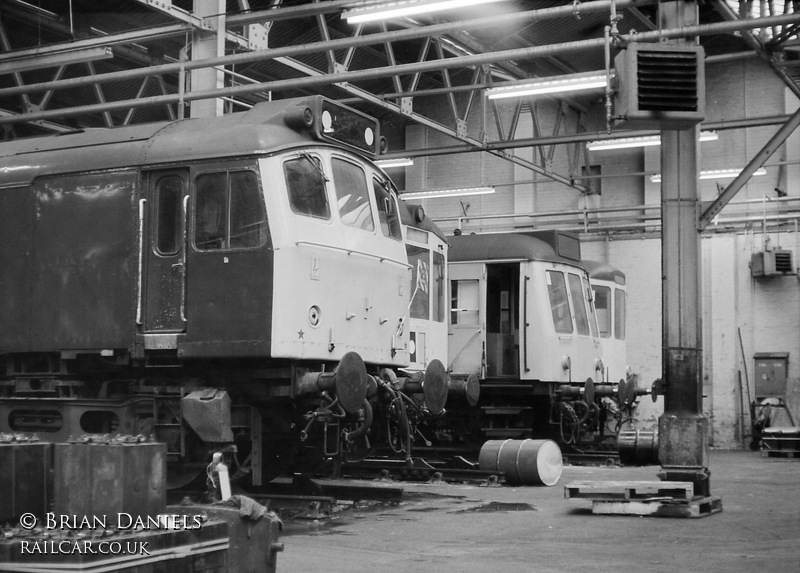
(630, 490)
(644, 498)
(782, 453)
(700, 507)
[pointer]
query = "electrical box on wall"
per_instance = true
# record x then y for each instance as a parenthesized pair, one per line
(660, 86)
(771, 369)
(772, 263)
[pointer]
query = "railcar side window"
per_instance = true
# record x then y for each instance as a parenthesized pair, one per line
(352, 195)
(387, 212)
(602, 304)
(228, 213)
(169, 196)
(579, 303)
(559, 303)
(465, 301)
(306, 186)
(619, 314)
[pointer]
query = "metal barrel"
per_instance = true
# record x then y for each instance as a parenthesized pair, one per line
(638, 447)
(524, 462)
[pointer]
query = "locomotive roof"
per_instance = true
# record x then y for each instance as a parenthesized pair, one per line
(603, 271)
(257, 130)
(414, 216)
(503, 246)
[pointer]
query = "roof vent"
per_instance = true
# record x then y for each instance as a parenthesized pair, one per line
(660, 86)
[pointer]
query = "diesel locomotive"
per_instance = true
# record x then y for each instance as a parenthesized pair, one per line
(237, 284)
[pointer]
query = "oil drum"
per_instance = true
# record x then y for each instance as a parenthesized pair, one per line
(638, 447)
(524, 462)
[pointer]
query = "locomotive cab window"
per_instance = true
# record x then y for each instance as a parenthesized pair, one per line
(305, 184)
(559, 302)
(352, 195)
(579, 304)
(229, 212)
(387, 210)
(619, 314)
(602, 303)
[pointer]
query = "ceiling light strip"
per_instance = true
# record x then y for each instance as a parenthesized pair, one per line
(560, 84)
(402, 9)
(715, 174)
(438, 193)
(643, 141)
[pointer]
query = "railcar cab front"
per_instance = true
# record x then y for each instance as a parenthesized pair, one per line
(522, 308)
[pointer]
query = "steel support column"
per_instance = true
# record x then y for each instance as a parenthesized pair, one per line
(208, 45)
(683, 428)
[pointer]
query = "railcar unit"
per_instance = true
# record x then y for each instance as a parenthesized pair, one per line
(523, 322)
(235, 284)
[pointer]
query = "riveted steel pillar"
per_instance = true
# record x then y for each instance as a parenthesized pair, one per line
(683, 428)
(208, 44)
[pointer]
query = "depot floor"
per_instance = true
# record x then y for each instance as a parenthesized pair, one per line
(463, 528)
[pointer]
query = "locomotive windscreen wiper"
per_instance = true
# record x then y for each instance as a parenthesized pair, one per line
(316, 163)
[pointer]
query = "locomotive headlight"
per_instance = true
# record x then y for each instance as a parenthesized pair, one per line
(314, 316)
(598, 365)
(566, 362)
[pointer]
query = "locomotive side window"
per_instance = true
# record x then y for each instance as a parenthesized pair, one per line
(437, 286)
(387, 211)
(210, 216)
(420, 281)
(579, 303)
(248, 224)
(619, 314)
(602, 303)
(465, 302)
(590, 302)
(559, 303)
(352, 195)
(169, 195)
(306, 186)
(228, 212)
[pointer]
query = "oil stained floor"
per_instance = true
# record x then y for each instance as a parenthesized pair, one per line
(460, 528)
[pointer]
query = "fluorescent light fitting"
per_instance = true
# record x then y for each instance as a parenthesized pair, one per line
(715, 174)
(437, 193)
(558, 84)
(643, 141)
(405, 8)
(32, 61)
(398, 162)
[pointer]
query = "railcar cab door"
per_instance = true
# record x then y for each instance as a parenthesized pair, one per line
(165, 254)
(467, 340)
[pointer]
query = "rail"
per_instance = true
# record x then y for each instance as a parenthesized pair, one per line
(352, 252)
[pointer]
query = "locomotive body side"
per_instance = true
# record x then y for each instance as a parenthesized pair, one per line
(146, 266)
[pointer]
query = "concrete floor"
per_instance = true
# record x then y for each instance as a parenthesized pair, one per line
(444, 528)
